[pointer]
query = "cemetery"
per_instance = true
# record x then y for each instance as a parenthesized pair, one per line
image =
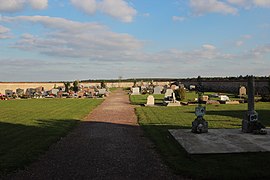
(198, 133)
(66, 91)
(220, 132)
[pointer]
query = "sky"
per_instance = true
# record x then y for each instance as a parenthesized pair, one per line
(64, 40)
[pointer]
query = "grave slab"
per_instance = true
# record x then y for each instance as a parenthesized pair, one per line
(221, 141)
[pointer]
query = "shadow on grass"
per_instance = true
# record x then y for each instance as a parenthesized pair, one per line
(115, 150)
(22, 144)
(216, 166)
(264, 115)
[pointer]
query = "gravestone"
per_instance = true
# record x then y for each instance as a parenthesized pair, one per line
(205, 98)
(192, 87)
(250, 123)
(102, 91)
(150, 101)
(19, 92)
(242, 91)
(8, 93)
(173, 102)
(174, 87)
(224, 98)
(54, 91)
(157, 90)
(135, 91)
(168, 93)
(199, 125)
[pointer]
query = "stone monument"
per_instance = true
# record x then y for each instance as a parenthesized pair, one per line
(135, 91)
(173, 102)
(150, 101)
(242, 91)
(250, 123)
(199, 125)
(157, 90)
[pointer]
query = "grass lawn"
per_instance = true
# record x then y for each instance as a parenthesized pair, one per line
(29, 127)
(157, 120)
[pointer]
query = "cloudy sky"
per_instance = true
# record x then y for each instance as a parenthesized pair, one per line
(48, 40)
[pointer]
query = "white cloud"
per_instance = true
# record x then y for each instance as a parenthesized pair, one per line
(178, 18)
(240, 2)
(239, 43)
(18, 5)
(208, 47)
(75, 39)
(11, 5)
(87, 6)
(201, 7)
(38, 4)
(118, 9)
(242, 40)
(4, 32)
(259, 51)
(262, 3)
(3, 29)
(250, 3)
(146, 14)
(247, 36)
(211, 6)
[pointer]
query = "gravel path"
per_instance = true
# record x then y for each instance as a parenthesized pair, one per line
(109, 144)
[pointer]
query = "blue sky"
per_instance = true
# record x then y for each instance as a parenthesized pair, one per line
(50, 40)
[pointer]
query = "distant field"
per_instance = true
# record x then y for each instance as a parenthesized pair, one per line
(29, 127)
(157, 120)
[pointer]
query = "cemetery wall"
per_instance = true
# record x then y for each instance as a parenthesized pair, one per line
(218, 86)
(229, 86)
(24, 85)
(49, 85)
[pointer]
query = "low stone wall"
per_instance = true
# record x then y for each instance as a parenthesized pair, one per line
(49, 85)
(229, 86)
(216, 86)
(24, 85)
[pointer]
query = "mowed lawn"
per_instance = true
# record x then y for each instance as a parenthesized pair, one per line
(157, 120)
(29, 127)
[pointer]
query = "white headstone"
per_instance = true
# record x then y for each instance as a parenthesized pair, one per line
(157, 90)
(135, 91)
(150, 101)
(224, 98)
(55, 91)
(242, 91)
(102, 91)
(168, 93)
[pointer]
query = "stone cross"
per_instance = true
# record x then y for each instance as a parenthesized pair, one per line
(250, 123)
(251, 94)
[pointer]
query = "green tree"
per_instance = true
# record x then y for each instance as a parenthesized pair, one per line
(180, 94)
(102, 84)
(76, 86)
(134, 83)
(67, 86)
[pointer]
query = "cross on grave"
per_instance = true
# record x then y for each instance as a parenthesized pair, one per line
(199, 125)
(250, 123)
